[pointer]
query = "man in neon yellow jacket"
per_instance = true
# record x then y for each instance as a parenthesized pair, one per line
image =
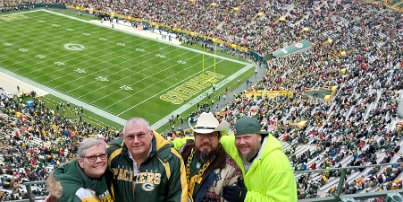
(267, 173)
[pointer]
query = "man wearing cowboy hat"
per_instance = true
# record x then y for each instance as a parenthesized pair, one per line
(208, 167)
(267, 173)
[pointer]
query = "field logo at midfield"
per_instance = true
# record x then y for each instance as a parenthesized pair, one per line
(74, 47)
(191, 87)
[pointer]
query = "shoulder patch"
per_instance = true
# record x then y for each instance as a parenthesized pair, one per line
(165, 163)
(86, 195)
(113, 155)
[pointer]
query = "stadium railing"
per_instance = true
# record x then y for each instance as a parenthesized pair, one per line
(386, 196)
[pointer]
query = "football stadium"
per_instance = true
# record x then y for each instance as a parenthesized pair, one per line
(322, 78)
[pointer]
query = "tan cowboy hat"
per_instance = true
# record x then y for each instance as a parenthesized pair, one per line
(207, 123)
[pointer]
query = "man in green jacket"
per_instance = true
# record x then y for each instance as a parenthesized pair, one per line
(267, 173)
(82, 179)
(145, 166)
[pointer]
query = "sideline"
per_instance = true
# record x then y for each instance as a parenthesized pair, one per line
(10, 83)
(66, 97)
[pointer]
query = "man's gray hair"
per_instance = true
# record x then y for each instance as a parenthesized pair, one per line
(136, 121)
(88, 143)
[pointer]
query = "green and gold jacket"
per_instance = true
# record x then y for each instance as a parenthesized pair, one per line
(160, 178)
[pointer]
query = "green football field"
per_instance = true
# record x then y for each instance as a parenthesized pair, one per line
(112, 71)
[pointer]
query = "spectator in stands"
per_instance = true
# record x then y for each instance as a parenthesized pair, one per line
(209, 169)
(259, 154)
(154, 170)
(82, 179)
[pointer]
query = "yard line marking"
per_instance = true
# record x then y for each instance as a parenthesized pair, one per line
(104, 69)
(61, 36)
(138, 81)
(156, 83)
(53, 72)
(92, 72)
(183, 47)
(145, 100)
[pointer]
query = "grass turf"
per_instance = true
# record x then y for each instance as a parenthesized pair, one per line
(117, 72)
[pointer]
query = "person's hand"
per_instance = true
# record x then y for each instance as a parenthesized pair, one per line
(50, 198)
(236, 192)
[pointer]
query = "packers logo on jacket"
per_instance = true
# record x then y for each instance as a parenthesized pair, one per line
(148, 179)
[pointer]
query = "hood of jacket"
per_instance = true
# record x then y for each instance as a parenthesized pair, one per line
(269, 145)
(158, 143)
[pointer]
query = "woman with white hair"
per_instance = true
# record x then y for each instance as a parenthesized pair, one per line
(82, 179)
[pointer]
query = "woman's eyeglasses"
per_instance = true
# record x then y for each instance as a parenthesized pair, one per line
(95, 157)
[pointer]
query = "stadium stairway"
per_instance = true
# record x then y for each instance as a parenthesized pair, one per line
(373, 105)
(301, 149)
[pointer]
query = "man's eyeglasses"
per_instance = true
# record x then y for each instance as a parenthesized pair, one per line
(139, 135)
(210, 136)
(95, 157)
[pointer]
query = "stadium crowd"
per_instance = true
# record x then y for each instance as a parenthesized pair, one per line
(34, 139)
(357, 126)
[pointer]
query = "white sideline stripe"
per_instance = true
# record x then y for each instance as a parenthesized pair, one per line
(10, 84)
(66, 97)
(197, 99)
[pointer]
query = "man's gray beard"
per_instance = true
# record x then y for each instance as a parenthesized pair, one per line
(249, 156)
(204, 156)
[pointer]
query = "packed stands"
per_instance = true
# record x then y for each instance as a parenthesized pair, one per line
(34, 139)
